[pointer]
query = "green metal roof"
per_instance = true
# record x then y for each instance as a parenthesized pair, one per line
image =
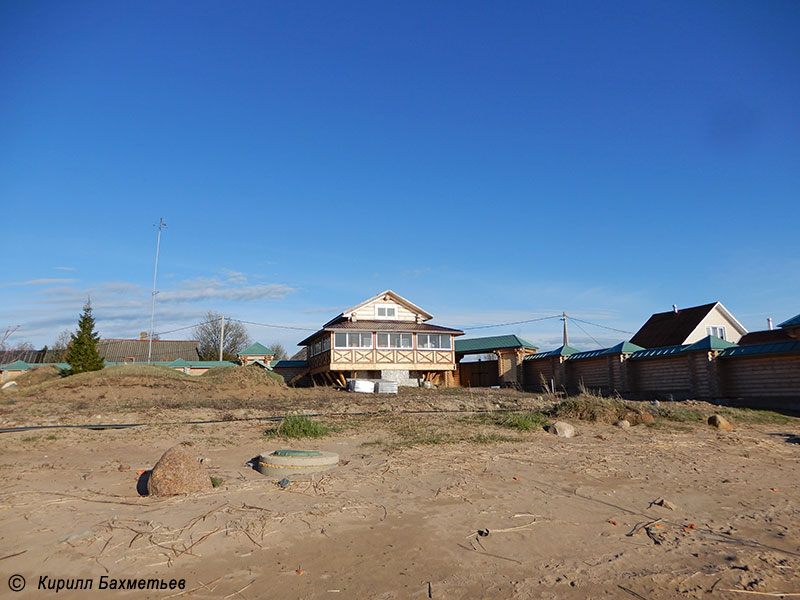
(623, 348)
(490, 344)
(255, 349)
(17, 365)
(560, 351)
(791, 346)
(793, 322)
(288, 363)
(653, 352)
(710, 342)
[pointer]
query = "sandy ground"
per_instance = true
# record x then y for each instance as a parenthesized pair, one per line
(399, 518)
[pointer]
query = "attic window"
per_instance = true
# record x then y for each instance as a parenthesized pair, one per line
(384, 311)
(716, 331)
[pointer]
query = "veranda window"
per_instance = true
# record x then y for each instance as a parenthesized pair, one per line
(352, 340)
(433, 341)
(394, 340)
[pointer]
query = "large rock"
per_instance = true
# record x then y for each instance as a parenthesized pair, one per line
(177, 472)
(720, 422)
(562, 429)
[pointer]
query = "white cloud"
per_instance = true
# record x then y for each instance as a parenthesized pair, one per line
(45, 281)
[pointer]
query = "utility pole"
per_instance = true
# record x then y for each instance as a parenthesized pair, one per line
(566, 337)
(221, 337)
(161, 224)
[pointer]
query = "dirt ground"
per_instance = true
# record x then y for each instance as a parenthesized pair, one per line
(400, 516)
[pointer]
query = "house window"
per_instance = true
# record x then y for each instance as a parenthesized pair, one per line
(433, 341)
(385, 311)
(321, 346)
(352, 340)
(394, 340)
(717, 331)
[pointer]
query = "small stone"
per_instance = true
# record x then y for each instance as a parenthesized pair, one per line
(124, 468)
(284, 483)
(177, 472)
(720, 423)
(623, 424)
(562, 429)
(646, 418)
(86, 476)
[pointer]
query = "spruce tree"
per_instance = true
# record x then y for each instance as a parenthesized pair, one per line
(82, 354)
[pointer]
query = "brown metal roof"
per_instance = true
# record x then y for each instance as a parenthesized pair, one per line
(163, 350)
(371, 326)
(671, 328)
(767, 336)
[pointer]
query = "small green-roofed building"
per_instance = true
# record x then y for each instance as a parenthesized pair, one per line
(256, 353)
(256, 349)
(486, 345)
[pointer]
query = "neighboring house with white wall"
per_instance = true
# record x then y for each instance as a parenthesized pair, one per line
(688, 325)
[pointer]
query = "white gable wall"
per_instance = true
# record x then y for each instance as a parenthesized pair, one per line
(367, 312)
(716, 318)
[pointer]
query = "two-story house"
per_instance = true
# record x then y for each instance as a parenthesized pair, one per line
(384, 337)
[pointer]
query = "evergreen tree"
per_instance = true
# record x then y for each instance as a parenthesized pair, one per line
(82, 354)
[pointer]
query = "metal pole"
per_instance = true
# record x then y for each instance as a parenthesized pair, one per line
(221, 337)
(566, 337)
(153, 300)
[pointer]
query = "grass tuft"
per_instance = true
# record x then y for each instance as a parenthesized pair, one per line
(299, 426)
(591, 408)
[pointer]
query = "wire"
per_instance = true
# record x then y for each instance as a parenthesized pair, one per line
(603, 326)
(512, 323)
(587, 333)
(187, 327)
(272, 325)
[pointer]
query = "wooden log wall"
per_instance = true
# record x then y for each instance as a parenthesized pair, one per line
(592, 372)
(761, 376)
(662, 375)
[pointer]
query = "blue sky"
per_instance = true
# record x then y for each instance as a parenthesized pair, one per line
(491, 162)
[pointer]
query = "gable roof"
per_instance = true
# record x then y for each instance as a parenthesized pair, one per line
(117, 350)
(488, 344)
(793, 322)
(672, 328)
(764, 337)
(255, 349)
(385, 295)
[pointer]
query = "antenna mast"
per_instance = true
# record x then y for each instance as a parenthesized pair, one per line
(161, 225)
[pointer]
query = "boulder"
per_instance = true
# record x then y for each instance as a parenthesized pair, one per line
(562, 429)
(177, 472)
(720, 423)
(623, 424)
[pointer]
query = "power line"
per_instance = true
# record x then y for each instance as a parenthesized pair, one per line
(273, 325)
(187, 327)
(603, 326)
(578, 325)
(512, 323)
